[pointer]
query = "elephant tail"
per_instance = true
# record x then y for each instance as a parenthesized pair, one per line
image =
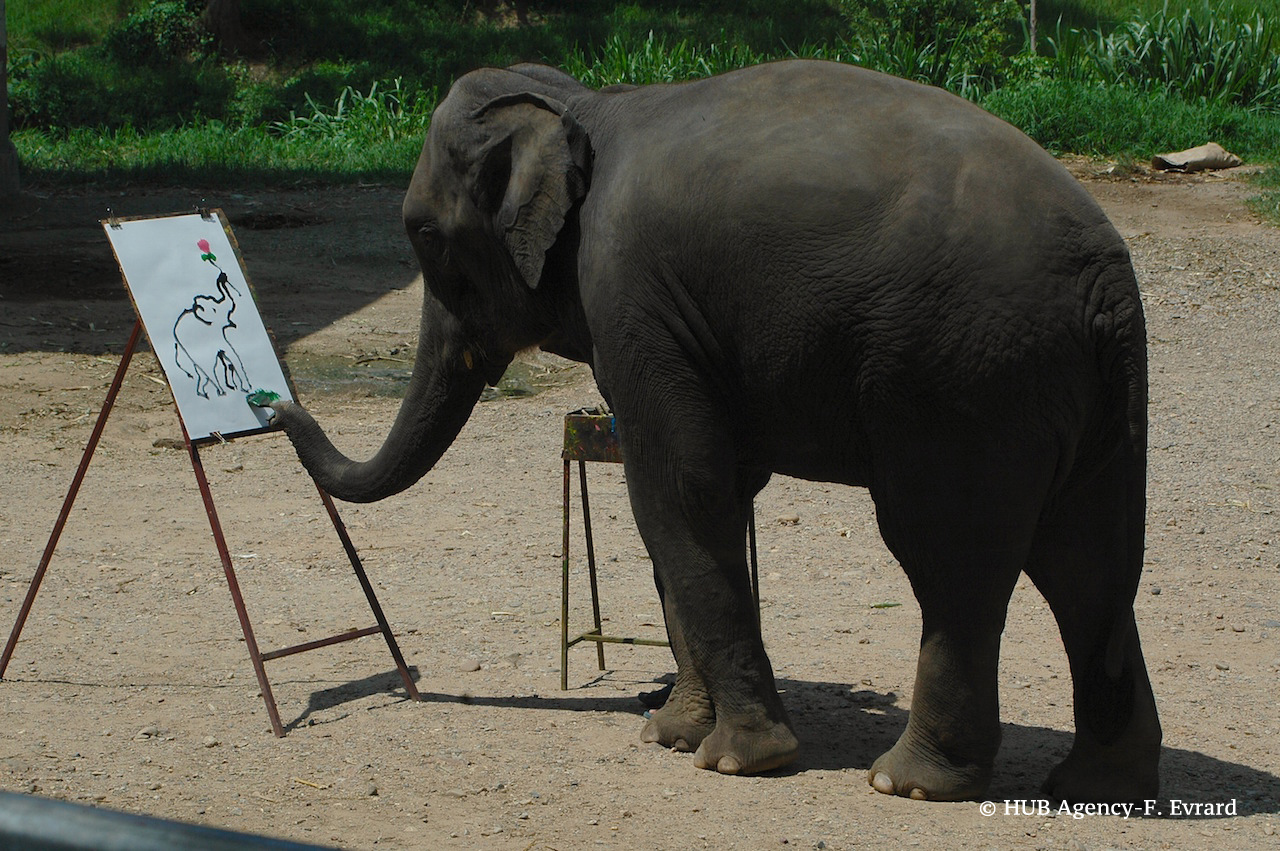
(1120, 338)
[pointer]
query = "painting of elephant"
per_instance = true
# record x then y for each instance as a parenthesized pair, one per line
(809, 269)
(201, 348)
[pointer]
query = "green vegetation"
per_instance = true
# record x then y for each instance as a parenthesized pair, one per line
(113, 90)
(50, 26)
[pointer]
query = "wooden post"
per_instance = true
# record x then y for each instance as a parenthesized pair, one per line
(1032, 26)
(8, 153)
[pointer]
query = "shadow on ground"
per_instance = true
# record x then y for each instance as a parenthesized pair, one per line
(845, 728)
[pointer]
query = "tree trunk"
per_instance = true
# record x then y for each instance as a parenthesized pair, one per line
(222, 18)
(8, 154)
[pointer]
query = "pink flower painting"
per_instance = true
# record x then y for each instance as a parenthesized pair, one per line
(205, 252)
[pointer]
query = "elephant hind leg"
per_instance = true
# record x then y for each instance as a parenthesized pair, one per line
(1086, 561)
(962, 530)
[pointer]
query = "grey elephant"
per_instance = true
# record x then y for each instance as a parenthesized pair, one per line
(816, 270)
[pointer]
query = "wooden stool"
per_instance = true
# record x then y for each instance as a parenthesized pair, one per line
(590, 435)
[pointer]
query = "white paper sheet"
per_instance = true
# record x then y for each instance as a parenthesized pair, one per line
(194, 301)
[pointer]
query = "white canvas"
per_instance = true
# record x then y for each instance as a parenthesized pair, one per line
(194, 301)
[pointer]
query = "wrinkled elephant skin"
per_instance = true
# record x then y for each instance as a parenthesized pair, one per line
(816, 270)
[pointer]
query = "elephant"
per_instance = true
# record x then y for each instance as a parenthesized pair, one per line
(815, 270)
(201, 330)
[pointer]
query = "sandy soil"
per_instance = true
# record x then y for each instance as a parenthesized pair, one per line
(131, 688)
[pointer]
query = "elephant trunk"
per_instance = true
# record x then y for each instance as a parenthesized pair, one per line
(446, 384)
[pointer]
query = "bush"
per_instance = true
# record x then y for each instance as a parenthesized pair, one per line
(159, 35)
(151, 72)
(84, 88)
(957, 44)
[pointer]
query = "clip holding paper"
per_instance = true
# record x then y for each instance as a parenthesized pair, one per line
(203, 209)
(112, 219)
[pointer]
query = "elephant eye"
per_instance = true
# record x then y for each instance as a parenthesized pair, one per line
(432, 242)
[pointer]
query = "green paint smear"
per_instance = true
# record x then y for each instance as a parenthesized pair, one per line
(262, 398)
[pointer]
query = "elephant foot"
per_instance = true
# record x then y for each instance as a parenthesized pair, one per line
(1113, 774)
(683, 722)
(747, 749)
(923, 774)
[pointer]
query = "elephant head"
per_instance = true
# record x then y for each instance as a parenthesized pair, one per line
(495, 189)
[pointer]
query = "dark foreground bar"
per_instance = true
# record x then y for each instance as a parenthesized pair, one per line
(40, 824)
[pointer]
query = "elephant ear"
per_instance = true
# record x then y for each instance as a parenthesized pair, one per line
(533, 171)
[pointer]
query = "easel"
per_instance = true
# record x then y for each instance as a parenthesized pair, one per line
(258, 657)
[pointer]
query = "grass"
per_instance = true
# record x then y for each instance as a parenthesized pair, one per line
(212, 155)
(1229, 56)
(49, 26)
(345, 88)
(1094, 119)
(1267, 203)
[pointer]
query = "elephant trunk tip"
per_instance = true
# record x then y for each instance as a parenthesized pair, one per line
(261, 398)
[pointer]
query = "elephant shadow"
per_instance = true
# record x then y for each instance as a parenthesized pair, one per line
(842, 728)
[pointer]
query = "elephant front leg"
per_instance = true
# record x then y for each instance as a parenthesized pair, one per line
(688, 716)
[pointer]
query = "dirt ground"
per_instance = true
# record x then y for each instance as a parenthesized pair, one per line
(131, 687)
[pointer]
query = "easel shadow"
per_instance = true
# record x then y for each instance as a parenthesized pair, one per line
(388, 683)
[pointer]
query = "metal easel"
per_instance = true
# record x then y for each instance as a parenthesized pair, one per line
(258, 657)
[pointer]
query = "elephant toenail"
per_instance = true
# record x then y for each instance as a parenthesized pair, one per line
(918, 794)
(882, 783)
(729, 765)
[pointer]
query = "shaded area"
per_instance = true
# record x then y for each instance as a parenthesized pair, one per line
(312, 256)
(156, 68)
(388, 376)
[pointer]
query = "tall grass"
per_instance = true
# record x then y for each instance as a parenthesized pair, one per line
(210, 154)
(358, 119)
(1214, 57)
(1066, 116)
(654, 59)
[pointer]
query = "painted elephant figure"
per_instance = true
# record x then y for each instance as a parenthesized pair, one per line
(201, 348)
(816, 270)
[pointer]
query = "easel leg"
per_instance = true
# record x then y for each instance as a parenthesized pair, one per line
(591, 560)
(755, 563)
(61, 522)
(564, 588)
(358, 567)
(225, 555)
